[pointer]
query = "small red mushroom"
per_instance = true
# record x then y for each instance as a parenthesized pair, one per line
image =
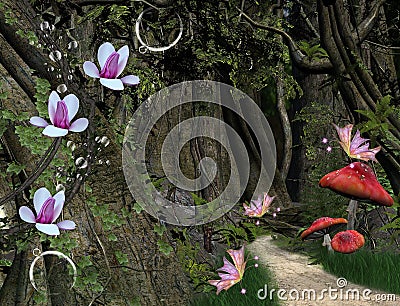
(357, 181)
(347, 241)
(322, 227)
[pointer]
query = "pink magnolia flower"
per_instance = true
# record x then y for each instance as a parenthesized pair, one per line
(234, 272)
(358, 147)
(258, 207)
(111, 64)
(61, 113)
(48, 209)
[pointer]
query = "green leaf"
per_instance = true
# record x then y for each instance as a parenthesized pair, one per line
(164, 247)
(137, 208)
(15, 168)
(85, 262)
(112, 237)
(159, 229)
(121, 258)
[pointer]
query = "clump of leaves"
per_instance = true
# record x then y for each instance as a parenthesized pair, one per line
(313, 51)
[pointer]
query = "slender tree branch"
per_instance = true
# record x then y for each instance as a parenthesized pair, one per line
(13, 64)
(382, 46)
(366, 26)
(55, 145)
(299, 59)
(31, 56)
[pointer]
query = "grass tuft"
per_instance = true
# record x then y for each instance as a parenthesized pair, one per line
(253, 280)
(364, 267)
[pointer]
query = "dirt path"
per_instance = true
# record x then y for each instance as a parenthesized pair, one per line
(292, 271)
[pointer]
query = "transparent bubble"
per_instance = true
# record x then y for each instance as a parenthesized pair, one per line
(44, 25)
(100, 162)
(58, 174)
(71, 145)
(97, 139)
(60, 187)
(108, 162)
(70, 77)
(81, 163)
(62, 88)
(55, 55)
(59, 76)
(72, 44)
(79, 176)
(105, 141)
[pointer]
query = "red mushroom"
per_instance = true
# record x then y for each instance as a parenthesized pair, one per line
(347, 241)
(322, 227)
(357, 181)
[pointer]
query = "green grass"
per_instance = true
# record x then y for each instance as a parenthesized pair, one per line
(253, 280)
(372, 270)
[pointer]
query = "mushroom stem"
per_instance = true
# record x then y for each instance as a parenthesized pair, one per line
(327, 242)
(351, 210)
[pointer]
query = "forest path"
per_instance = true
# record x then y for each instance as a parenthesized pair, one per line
(292, 271)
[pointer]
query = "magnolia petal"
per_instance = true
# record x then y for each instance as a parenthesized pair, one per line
(130, 80)
(40, 196)
(79, 125)
(238, 259)
(266, 203)
(114, 84)
(37, 121)
(59, 204)
(72, 103)
(66, 225)
(357, 142)
(91, 69)
(104, 52)
(376, 150)
(366, 156)
(228, 267)
(49, 229)
(123, 52)
(45, 215)
(227, 276)
(53, 131)
(344, 136)
(123, 59)
(222, 284)
(53, 99)
(121, 64)
(359, 150)
(26, 214)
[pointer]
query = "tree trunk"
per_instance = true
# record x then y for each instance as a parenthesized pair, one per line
(148, 276)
